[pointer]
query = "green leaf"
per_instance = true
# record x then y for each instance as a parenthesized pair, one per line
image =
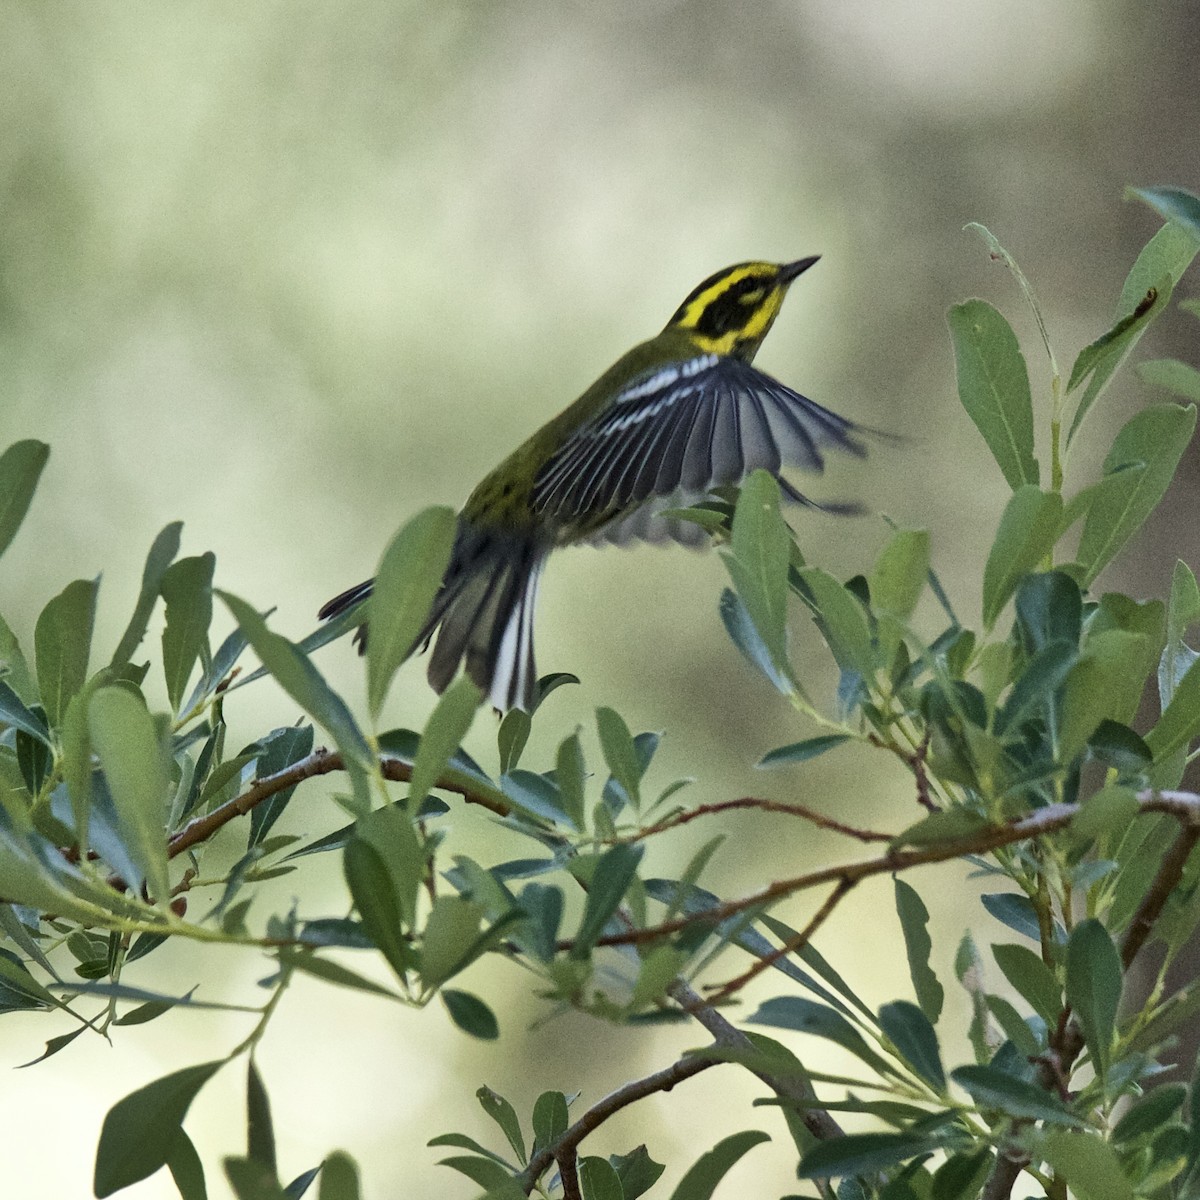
(747, 639)
(139, 1131)
(62, 641)
(1094, 980)
(339, 1177)
(806, 1016)
(1032, 979)
(843, 622)
(260, 1134)
(20, 468)
(993, 385)
(570, 775)
(1151, 1112)
(187, 1172)
(302, 681)
(1166, 256)
(443, 733)
(1028, 532)
(758, 563)
(1157, 438)
(962, 1175)
(333, 972)
(1174, 204)
(637, 1171)
(1183, 610)
(1180, 722)
(1111, 672)
(389, 831)
(408, 578)
(914, 922)
(162, 554)
(187, 589)
(281, 749)
(896, 583)
(620, 753)
(12, 658)
(550, 1119)
(1173, 376)
(799, 752)
(506, 1117)
(13, 712)
(710, 1168)
(861, 1154)
(990, 1087)
(251, 1180)
(611, 876)
(449, 933)
(1101, 358)
(1089, 1166)
(471, 1015)
(124, 735)
(913, 1036)
(511, 738)
(598, 1180)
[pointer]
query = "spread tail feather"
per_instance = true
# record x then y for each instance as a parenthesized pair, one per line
(482, 615)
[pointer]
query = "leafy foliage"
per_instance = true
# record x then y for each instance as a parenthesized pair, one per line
(1018, 732)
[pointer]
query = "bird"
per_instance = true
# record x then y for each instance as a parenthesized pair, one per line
(677, 416)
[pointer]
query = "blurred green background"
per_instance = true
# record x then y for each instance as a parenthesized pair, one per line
(292, 271)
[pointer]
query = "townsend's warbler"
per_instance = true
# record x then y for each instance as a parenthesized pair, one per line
(676, 416)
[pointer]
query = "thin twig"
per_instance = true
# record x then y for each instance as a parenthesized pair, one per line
(319, 762)
(1183, 805)
(787, 808)
(1003, 1177)
(728, 1036)
(1165, 882)
(630, 1093)
(725, 990)
(568, 1173)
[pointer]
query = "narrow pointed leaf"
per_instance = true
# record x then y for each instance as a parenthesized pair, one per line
(409, 576)
(701, 1180)
(187, 589)
(162, 554)
(1094, 983)
(447, 726)
(126, 740)
(914, 922)
(912, 1034)
(1027, 533)
(301, 680)
(20, 468)
(611, 876)
(62, 641)
(861, 1154)
(990, 1087)
(993, 386)
(1155, 437)
(139, 1132)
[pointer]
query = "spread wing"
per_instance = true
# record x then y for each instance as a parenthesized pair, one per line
(686, 427)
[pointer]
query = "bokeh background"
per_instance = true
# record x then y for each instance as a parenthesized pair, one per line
(292, 271)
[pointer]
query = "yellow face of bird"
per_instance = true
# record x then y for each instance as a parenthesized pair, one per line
(731, 311)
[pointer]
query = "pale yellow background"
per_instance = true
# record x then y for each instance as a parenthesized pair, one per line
(291, 271)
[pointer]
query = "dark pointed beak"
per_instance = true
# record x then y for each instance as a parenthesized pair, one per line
(793, 270)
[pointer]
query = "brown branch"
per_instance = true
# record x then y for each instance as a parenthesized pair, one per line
(728, 1036)
(787, 808)
(1183, 805)
(630, 1093)
(725, 990)
(568, 1173)
(1169, 874)
(319, 762)
(1003, 1177)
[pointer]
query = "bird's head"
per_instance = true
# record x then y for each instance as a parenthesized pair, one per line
(731, 311)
